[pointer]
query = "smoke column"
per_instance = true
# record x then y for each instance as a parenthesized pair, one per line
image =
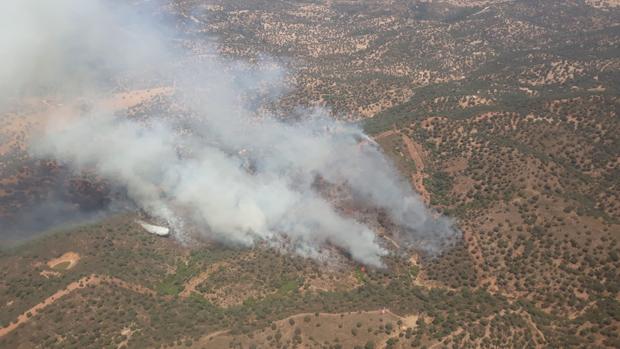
(226, 171)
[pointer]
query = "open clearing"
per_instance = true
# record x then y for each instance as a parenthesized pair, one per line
(316, 329)
(64, 262)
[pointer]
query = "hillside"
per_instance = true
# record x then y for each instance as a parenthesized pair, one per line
(503, 115)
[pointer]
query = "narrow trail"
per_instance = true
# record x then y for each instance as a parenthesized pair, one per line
(409, 320)
(386, 134)
(415, 153)
(23, 318)
(534, 327)
(382, 312)
(191, 285)
(215, 334)
(392, 241)
(91, 280)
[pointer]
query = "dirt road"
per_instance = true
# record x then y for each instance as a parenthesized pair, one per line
(415, 153)
(92, 280)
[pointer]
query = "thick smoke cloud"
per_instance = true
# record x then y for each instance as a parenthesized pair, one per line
(223, 170)
(72, 47)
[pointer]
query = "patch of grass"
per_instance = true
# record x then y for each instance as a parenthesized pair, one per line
(414, 271)
(169, 288)
(289, 286)
(172, 284)
(62, 266)
(198, 299)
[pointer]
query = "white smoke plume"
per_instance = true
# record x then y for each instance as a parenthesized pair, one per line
(71, 46)
(226, 171)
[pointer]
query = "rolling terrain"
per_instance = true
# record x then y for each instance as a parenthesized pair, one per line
(503, 115)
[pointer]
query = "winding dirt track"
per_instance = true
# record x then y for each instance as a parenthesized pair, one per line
(92, 280)
(386, 134)
(191, 285)
(415, 153)
(407, 321)
(70, 257)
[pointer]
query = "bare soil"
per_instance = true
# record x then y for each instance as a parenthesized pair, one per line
(70, 257)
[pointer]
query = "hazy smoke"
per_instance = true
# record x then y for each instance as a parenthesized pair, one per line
(72, 46)
(222, 171)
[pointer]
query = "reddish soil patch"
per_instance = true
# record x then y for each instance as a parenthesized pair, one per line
(48, 273)
(70, 257)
